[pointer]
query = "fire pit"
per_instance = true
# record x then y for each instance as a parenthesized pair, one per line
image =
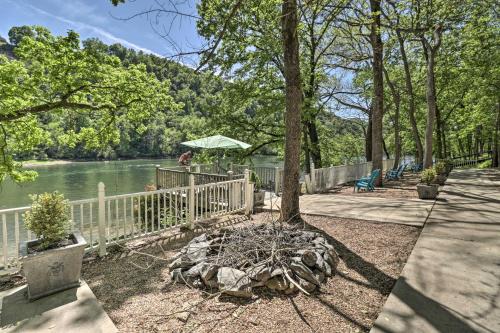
(277, 256)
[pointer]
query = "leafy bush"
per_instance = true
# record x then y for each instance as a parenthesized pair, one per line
(49, 218)
(484, 165)
(440, 167)
(427, 176)
(254, 178)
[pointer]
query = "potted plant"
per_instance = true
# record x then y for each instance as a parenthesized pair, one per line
(53, 261)
(427, 190)
(440, 170)
(258, 193)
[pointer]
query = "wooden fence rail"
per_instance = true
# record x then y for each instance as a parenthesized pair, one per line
(108, 219)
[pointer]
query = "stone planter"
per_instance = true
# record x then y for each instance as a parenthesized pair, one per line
(440, 179)
(258, 198)
(53, 270)
(427, 191)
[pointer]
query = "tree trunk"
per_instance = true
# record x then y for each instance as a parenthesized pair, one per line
(411, 100)
(496, 145)
(387, 155)
(378, 89)
(397, 104)
(307, 151)
(439, 133)
(314, 141)
(293, 100)
(431, 103)
(368, 138)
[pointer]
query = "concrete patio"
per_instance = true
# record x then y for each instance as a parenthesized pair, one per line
(393, 210)
(74, 310)
(451, 282)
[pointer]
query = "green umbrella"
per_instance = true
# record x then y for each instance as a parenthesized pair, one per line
(216, 141)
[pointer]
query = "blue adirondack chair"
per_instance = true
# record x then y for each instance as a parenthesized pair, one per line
(395, 173)
(368, 183)
(417, 167)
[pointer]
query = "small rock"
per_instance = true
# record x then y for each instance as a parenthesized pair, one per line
(196, 252)
(319, 240)
(332, 258)
(303, 271)
(176, 275)
(291, 289)
(208, 272)
(277, 283)
(319, 275)
(199, 239)
(309, 258)
(259, 273)
(276, 272)
(183, 316)
(234, 282)
(306, 285)
(327, 269)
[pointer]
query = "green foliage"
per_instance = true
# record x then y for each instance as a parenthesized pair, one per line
(56, 92)
(484, 165)
(49, 218)
(255, 179)
(428, 176)
(440, 167)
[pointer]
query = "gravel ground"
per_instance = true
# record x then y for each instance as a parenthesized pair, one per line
(136, 291)
(403, 188)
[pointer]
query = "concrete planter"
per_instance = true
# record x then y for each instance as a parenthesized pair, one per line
(258, 198)
(427, 191)
(53, 270)
(440, 179)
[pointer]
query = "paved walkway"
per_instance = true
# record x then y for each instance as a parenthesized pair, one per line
(74, 310)
(451, 282)
(402, 211)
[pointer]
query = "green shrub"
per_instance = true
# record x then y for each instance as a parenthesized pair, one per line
(254, 178)
(427, 176)
(49, 218)
(484, 165)
(440, 167)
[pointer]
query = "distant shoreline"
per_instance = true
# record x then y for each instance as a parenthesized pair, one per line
(36, 163)
(39, 163)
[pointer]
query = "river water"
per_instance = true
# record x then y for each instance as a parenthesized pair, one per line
(79, 180)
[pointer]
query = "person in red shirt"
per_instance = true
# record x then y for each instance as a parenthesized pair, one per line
(185, 158)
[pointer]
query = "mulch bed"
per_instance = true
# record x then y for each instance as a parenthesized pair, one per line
(404, 188)
(138, 295)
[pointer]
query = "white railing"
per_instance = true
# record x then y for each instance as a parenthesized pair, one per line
(327, 178)
(108, 219)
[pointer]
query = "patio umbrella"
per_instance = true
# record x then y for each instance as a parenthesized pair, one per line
(216, 141)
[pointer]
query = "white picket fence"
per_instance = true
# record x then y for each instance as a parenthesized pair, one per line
(108, 219)
(325, 179)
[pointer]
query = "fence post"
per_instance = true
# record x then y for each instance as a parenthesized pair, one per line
(230, 167)
(248, 193)
(197, 168)
(277, 180)
(157, 177)
(191, 201)
(102, 222)
(230, 175)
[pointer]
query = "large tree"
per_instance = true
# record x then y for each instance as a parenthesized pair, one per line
(53, 76)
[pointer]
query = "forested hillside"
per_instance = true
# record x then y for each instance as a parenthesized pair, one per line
(205, 108)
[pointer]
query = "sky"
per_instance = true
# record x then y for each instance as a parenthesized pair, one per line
(99, 18)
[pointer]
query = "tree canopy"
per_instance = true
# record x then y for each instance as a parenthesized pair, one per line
(54, 78)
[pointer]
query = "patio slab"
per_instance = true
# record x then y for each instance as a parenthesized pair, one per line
(74, 310)
(451, 282)
(412, 212)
